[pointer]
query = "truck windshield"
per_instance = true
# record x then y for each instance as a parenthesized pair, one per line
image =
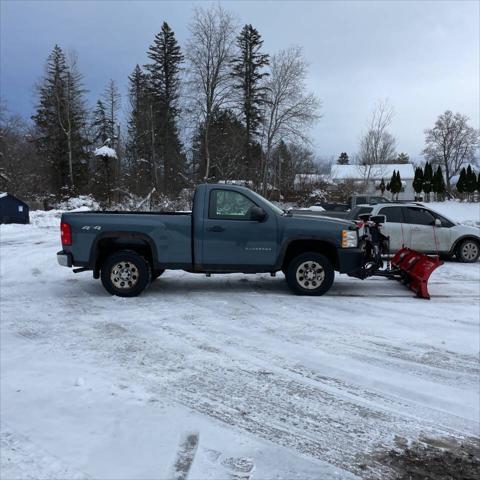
(277, 210)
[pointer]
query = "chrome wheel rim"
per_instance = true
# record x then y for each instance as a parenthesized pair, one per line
(470, 251)
(124, 275)
(310, 275)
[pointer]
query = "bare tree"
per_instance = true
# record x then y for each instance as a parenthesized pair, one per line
(451, 143)
(209, 54)
(377, 144)
(289, 112)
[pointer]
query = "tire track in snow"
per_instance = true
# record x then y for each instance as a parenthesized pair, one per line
(185, 455)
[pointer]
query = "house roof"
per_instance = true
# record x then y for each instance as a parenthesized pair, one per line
(374, 172)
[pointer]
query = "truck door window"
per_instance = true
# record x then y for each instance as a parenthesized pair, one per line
(392, 214)
(419, 216)
(229, 205)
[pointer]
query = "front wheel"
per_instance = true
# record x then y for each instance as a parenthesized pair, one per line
(125, 274)
(310, 274)
(468, 251)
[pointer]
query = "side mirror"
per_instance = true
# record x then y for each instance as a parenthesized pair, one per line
(438, 222)
(378, 219)
(257, 214)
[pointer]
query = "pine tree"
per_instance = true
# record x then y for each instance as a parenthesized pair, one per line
(418, 181)
(398, 184)
(395, 185)
(164, 81)
(60, 120)
(248, 74)
(470, 180)
(112, 103)
(442, 187)
(100, 125)
(392, 183)
(461, 184)
(427, 180)
(343, 159)
(138, 148)
(382, 186)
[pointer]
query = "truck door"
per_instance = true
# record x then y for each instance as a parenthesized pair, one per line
(231, 239)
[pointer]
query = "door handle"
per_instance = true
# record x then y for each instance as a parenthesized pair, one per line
(216, 228)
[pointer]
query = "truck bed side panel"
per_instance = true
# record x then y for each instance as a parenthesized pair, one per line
(170, 234)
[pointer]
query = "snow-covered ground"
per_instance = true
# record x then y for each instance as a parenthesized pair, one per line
(229, 377)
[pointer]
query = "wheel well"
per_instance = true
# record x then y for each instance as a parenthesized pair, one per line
(462, 239)
(301, 246)
(107, 246)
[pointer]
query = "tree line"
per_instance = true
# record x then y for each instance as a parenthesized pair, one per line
(451, 148)
(218, 109)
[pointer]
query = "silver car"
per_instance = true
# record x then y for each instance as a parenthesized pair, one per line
(421, 228)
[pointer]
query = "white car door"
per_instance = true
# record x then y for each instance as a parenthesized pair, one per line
(443, 233)
(422, 229)
(395, 227)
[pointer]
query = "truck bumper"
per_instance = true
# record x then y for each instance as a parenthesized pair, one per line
(350, 259)
(64, 259)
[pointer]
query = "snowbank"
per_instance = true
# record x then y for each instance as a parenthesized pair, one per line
(80, 203)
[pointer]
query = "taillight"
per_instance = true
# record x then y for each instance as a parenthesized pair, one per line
(66, 233)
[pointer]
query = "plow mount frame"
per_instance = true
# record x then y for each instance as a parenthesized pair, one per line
(409, 267)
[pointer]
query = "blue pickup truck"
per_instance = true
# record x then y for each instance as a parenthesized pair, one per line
(230, 229)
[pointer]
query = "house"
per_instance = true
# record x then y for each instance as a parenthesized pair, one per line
(13, 210)
(367, 178)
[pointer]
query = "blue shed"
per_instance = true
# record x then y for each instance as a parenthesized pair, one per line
(13, 210)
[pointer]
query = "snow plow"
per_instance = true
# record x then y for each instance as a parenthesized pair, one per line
(409, 267)
(414, 269)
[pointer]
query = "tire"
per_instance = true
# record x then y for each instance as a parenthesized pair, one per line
(468, 251)
(125, 274)
(156, 274)
(320, 271)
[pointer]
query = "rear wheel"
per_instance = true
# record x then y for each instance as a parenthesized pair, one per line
(310, 274)
(468, 251)
(125, 274)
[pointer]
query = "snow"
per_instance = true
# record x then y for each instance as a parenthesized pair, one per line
(105, 152)
(82, 202)
(3, 194)
(269, 384)
(314, 208)
(378, 171)
(461, 212)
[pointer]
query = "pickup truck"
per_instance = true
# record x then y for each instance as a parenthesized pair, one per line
(230, 229)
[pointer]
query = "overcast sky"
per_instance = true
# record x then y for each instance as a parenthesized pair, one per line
(423, 56)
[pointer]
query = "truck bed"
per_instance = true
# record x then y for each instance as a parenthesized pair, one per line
(169, 233)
